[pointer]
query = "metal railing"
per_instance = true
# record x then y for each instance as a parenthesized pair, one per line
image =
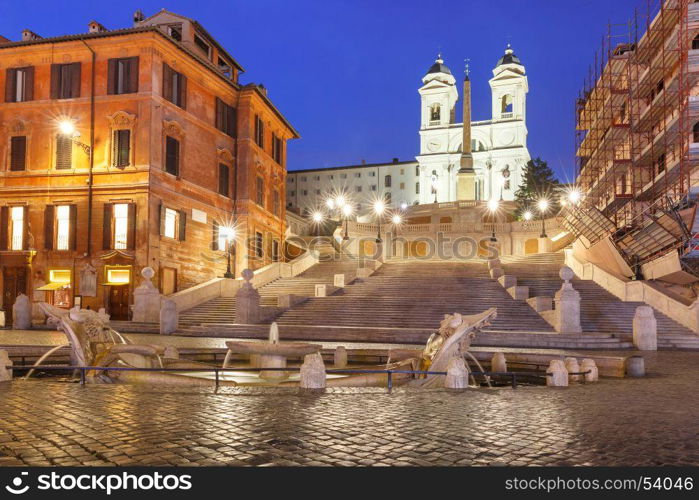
(217, 372)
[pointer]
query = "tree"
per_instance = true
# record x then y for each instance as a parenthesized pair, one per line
(539, 182)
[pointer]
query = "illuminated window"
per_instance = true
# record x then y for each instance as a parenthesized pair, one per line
(63, 227)
(171, 222)
(121, 225)
(59, 276)
(118, 275)
(17, 218)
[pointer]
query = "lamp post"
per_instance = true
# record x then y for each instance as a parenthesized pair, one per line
(229, 235)
(574, 196)
(379, 207)
(493, 207)
(543, 205)
(317, 220)
(67, 129)
(346, 211)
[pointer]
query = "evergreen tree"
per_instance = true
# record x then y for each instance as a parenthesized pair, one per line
(539, 182)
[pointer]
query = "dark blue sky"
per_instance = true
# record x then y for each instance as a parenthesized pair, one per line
(346, 72)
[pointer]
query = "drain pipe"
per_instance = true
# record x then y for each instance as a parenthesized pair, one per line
(92, 151)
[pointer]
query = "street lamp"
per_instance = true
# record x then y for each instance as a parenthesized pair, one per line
(228, 234)
(493, 205)
(346, 211)
(574, 196)
(527, 216)
(67, 129)
(379, 207)
(317, 219)
(543, 205)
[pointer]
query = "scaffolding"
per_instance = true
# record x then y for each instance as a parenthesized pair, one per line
(635, 137)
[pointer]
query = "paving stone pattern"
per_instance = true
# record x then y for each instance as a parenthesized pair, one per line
(649, 421)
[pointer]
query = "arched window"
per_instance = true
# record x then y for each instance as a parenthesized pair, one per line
(695, 43)
(506, 104)
(387, 181)
(435, 112)
(695, 132)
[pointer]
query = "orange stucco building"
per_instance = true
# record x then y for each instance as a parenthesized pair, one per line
(131, 148)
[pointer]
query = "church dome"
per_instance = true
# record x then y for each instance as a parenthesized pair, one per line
(509, 58)
(439, 67)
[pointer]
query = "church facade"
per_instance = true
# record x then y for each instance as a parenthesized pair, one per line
(491, 166)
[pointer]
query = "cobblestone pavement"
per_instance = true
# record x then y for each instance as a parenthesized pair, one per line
(649, 421)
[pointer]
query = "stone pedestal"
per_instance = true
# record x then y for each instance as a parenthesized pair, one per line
(498, 363)
(146, 299)
(557, 375)
(573, 366)
(22, 313)
(545, 245)
(635, 366)
(340, 357)
(313, 372)
(588, 364)
(339, 280)
(169, 317)
(321, 290)
(247, 302)
(567, 300)
(272, 361)
(5, 373)
(645, 329)
(457, 374)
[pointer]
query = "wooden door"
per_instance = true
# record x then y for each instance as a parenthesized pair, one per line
(14, 282)
(119, 302)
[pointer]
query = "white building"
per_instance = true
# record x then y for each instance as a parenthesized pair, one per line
(498, 145)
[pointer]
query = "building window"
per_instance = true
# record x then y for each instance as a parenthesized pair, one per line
(119, 225)
(259, 132)
(260, 192)
(172, 156)
(417, 188)
(372, 174)
(277, 149)
(223, 179)
(174, 86)
(304, 179)
(402, 185)
(388, 197)
(18, 153)
(171, 223)
(17, 220)
(175, 31)
(506, 104)
(64, 152)
(317, 191)
(122, 75)
(417, 170)
(293, 193)
(695, 43)
(203, 46)
(387, 181)
(359, 189)
(259, 251)
(343, 176)
(373, 187)
(19, 84)
(357, 175)
(226, 118)
(660, 164)
(65, 81)
(695, 132)
(305, 192)
(63, 227)
(121, 148)
(275, 250)
(276, 205)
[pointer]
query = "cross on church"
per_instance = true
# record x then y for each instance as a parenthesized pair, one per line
(467, 68)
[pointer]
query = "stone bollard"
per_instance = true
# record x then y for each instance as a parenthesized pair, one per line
(498, 363)
(340, 357)
(572, 366)
(5, 373)
(247, 301)
(22, 313)
(567, 310)
(557, 375)
(171, 352)
(645, 329)
(169, 317)
(635, 366)
(588, 364)
(457, 374)
(146, 299)
(313, 372)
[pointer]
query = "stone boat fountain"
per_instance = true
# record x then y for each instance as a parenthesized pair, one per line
(93, 343)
